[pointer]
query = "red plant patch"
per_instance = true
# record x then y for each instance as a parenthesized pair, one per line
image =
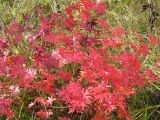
(78, 62)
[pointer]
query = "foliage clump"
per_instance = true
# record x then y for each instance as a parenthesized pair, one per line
(75, 62)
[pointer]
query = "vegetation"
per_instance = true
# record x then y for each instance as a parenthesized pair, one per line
(47, 88)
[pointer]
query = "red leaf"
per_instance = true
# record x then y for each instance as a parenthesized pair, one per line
(76, 96)
(118, 32)
(152, 39)
(104, 24)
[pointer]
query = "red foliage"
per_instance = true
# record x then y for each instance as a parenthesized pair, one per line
(79, 61)
(74, 95)
(152, 39)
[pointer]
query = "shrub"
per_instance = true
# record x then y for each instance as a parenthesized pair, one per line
(75, 62)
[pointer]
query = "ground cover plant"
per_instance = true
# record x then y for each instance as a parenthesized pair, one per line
(73, 65)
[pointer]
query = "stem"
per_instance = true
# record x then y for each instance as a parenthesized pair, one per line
(61, 107)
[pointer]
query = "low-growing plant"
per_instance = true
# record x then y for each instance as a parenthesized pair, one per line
(74, 65)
